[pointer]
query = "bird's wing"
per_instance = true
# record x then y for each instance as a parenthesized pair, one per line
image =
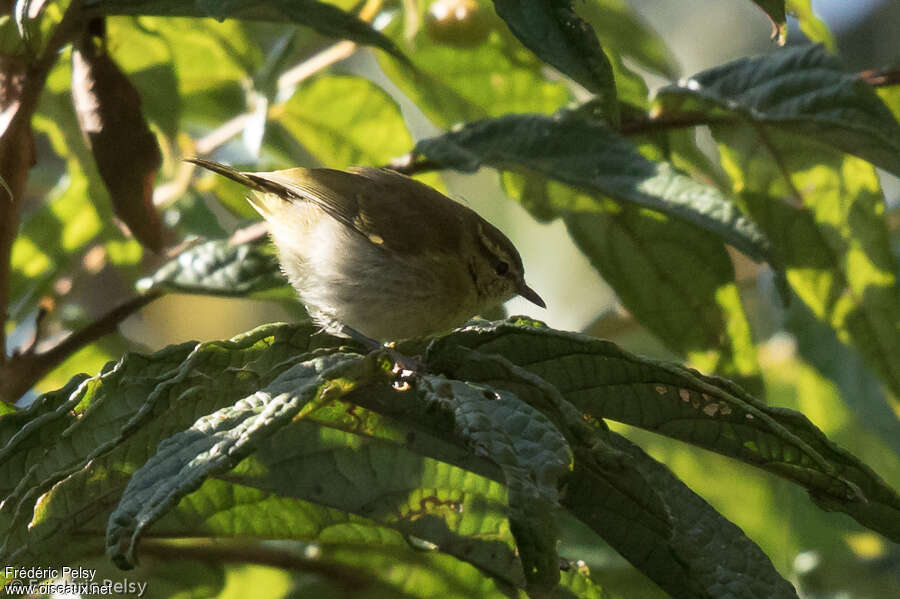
(385, 207)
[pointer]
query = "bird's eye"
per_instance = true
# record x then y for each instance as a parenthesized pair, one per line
(502, 268)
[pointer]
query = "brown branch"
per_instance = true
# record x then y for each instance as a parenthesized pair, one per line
(880, 77)
(21, 84)
(666, 123)
(408, 164)
(21, 371)
(16, 159)
(347, 578)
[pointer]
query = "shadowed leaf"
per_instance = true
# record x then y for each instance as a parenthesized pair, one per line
(123, 146)
(604, 381)
(558, 36)
(219, 267)
(587, 155)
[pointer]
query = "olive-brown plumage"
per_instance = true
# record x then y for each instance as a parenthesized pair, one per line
(381, 253)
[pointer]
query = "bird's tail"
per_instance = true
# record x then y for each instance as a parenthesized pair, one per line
(227, 171)
(265, 204)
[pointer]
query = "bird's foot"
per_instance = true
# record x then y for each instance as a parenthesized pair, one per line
(404, 366)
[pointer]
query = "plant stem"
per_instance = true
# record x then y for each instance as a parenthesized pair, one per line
(21, 371)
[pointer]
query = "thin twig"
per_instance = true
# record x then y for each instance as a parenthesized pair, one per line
(249, 234)
(409, 164)
(22, 371)
(290, 78)
(880, 77)
(315, 63)
(348, 579)
(106, 324)
(666, 123)
(221, 134)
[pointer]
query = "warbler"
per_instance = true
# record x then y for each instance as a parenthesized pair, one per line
(374, 252)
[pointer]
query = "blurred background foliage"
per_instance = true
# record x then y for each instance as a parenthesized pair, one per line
(275, 95)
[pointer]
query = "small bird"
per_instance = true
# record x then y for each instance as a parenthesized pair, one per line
(374, 253)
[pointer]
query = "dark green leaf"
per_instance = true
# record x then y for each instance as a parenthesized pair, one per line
(687, 296)
(587, 155)
(890, 95)
(823, 212)
(787, 120)
(530, 451)
(86, 440)
(803, 91)
(220, 268)
(557, 35)
(630, 500)
(215, 444)
(160, 100)
(372, 474)
(606, 382)
(193, 217)
(705, 555)
(677, 281)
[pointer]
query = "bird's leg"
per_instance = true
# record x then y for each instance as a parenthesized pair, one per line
(404, 366)
(368, 342)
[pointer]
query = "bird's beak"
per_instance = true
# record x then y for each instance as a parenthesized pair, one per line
(531, 295)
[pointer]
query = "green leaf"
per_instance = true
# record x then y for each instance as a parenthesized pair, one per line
(160, 100)
(803, 91)
(687, 294)
(86, 440)
(452, 84)
(220, 268)
(532, 454)
(606, 382)
(215, 444)
(345, 121)
(98, 431)
(830, 233)
(587, 155)
(624, 31)
(705, 553)
(373, 479)
(529, 451)
(860, 389)
(324, 18)
(208, 60)
(627, 498)
(890, 95)
(194, 218)
(791, 116)
(812, 26)
(558, 36)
